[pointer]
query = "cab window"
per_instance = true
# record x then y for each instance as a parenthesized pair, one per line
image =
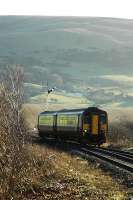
(86, 119)
(103, 118)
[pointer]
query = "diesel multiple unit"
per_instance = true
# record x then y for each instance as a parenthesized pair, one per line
(88, 125)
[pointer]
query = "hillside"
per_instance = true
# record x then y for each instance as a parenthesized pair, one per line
(88, 56)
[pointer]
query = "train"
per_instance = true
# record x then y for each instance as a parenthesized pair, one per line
(85, 125)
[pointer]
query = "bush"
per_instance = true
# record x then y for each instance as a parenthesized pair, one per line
(121, 134)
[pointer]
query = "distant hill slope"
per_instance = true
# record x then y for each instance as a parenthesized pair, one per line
(72, 53)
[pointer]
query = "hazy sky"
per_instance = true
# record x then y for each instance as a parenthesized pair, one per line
(100, 8)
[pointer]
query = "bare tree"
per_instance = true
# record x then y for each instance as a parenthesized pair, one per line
(12, 126)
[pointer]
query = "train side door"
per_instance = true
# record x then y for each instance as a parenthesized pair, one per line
(94, 124)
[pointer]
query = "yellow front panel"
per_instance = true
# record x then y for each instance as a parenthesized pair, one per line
(85, 127)
(95, 124)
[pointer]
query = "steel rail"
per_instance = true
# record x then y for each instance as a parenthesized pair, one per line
(126, 153)
(108, 155)
(117, 162)
(116, 154)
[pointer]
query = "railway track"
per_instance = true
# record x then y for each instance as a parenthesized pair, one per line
(126, 153)
(118, 158)
(121, 159)
(117, 154)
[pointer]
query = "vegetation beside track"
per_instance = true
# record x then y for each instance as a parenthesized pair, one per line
(121, 134)
(57, 175)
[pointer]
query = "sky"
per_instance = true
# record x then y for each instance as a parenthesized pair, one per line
(94, 8)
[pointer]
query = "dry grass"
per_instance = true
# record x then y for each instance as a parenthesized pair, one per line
(48, 174)
(55, 175)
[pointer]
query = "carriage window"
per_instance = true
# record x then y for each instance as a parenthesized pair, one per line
(67, 120)
(46, 120)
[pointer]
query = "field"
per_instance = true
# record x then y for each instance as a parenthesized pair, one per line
(88, 56)
(60, 98)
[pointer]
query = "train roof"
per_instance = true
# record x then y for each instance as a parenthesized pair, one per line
(81, 110)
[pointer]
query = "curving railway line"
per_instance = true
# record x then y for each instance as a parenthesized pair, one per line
(118, 158)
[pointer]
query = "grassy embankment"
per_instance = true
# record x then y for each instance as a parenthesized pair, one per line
(49, 174)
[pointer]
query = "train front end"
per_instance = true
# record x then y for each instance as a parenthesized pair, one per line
(95, 126)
